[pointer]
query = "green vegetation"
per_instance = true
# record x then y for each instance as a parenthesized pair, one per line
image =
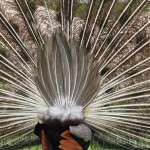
(3, 85)
(94, 146)
(2, 50)
(36, 147)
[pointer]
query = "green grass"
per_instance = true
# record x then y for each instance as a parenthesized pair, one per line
(36, 147)
(94, 146)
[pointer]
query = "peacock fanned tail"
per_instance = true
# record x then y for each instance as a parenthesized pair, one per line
(72, 62)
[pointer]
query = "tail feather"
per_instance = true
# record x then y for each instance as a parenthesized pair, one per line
(66, 54)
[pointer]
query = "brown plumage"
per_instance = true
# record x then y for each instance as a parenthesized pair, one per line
(46, 145)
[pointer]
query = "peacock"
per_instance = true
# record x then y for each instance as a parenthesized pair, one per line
(71, 70)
